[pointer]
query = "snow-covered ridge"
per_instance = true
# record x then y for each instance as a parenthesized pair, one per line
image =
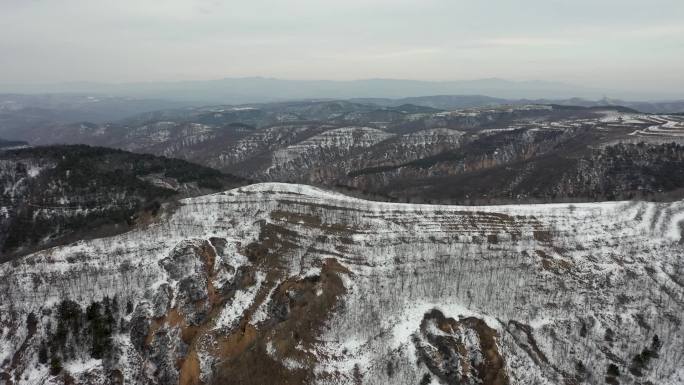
(326, 147)
(553, 281)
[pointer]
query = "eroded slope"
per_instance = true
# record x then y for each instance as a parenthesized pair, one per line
(291, 284)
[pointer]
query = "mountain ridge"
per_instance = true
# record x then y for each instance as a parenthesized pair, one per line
(55, 194)
(259, 89)
(312, 286)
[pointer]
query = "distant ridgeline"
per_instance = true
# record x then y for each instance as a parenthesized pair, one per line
(414, 150)
(5, 144)
(58, 194)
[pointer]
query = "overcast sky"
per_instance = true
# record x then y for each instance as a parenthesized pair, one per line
(625, 44)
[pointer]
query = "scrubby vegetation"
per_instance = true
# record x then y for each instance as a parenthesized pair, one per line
(79, 330)
(59, 194)
(617, 172)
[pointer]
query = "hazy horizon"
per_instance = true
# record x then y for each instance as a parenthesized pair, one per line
(293, 79)
(266, 89)
(613, 45)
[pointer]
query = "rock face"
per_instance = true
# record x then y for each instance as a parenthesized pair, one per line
(460, 352)
(281, 283)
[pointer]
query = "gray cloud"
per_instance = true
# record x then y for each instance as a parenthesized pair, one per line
(610, 43)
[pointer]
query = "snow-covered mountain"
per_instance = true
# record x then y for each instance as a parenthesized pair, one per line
(493, 154)
(58, 194)
(283, 283)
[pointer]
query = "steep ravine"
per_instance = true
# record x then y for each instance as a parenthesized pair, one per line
(289, 284)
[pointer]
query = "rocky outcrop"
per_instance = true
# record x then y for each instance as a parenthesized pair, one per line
(290, 282)
(460, 352)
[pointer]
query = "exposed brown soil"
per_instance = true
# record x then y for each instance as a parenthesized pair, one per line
(190, 370)
(299, 309)
(311, 221)
(449, 358)
(275, 348)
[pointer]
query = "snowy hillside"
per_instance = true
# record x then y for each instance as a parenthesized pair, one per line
(54, 195)
(491, 154)
(307, 286)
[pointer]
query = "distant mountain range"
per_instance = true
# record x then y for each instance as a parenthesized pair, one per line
(73, 107)
(452, 102)
(259, 89)
(492, 154)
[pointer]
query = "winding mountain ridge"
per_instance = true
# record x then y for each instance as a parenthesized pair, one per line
(308, 286)
(454, 102)
(483, 155)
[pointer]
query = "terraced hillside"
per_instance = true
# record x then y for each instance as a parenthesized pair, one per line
(296, 283)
